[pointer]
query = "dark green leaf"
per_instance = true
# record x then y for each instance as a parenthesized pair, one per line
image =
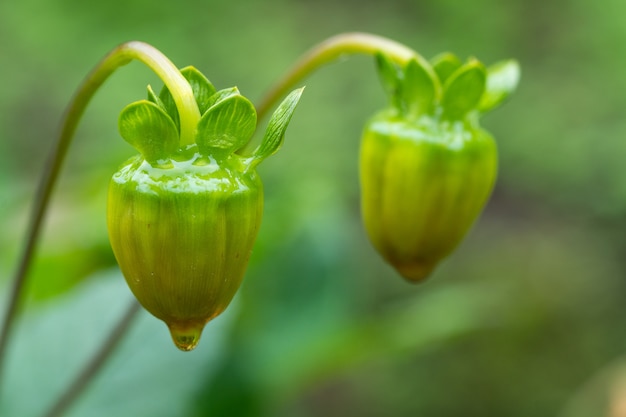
(445, 64)
(464, 89)
(149, 129)
(201, 86)
(226, 126)
(169, 106)
(275, 132)
(502, 80)
(420, 89)
(390, 77)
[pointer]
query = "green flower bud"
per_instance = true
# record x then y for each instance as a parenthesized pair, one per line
(427, 167)
(183, 220)
(183, 237)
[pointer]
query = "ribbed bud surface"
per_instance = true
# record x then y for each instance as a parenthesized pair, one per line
(423, 185)
(183, 241)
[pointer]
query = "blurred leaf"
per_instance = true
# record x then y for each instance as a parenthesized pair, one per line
(463, 90)
(445, 65)
(390, 76)
(420, 88)
(53, 341)
(502, 80)
(403, 329)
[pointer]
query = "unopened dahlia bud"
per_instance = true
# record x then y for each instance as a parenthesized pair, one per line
(183, 220)
(427, 167)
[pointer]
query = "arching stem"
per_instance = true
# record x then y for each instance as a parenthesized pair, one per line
(123, 54)
(328, 51)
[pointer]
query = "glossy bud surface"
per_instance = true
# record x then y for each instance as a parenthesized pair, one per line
(184, 246)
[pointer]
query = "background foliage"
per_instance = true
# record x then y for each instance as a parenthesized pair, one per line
(526, 318)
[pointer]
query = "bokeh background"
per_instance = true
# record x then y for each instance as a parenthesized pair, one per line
(526, 318)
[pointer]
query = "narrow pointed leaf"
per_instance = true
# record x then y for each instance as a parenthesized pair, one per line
(275, 132)
(502, 80)
(226, 126)
(445, 65)
(149, 129)
(463, 90)
(154, 98)
(420, 88)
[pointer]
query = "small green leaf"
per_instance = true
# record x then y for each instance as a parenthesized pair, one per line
(502, 80)
(420, 89)
(275, 132)
(149, 129)
(445, 64)
(390, 76)
(202, 91)
(222, 95)
(201, 86)
(167, 101)
(464, 89)
(153, 98)
(226, 126)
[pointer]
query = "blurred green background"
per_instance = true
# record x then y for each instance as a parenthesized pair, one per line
(526, 318)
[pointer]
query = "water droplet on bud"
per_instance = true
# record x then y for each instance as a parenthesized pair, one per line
(186, 336)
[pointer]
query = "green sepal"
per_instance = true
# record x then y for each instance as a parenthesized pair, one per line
(502, 80)
(147, 127)
(201, 87)
(390, 76)
(222, 95)
(445, 65)
(202, 92)
(420, 88)
(226, 126)
(463, 90)
(152, 97)
(275, 132)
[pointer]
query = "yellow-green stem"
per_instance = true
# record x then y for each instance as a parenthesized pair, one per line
(328, 51)
(123, 54)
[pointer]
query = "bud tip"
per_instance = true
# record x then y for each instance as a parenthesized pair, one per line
(415, 272)
(186, 336)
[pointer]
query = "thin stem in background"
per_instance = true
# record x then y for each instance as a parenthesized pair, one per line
(83, 379)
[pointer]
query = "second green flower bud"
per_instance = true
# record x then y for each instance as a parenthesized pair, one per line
(427, 167)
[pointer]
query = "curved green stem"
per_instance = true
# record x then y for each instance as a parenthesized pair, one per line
(328, 51)
(180, 89)
(123, 54)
